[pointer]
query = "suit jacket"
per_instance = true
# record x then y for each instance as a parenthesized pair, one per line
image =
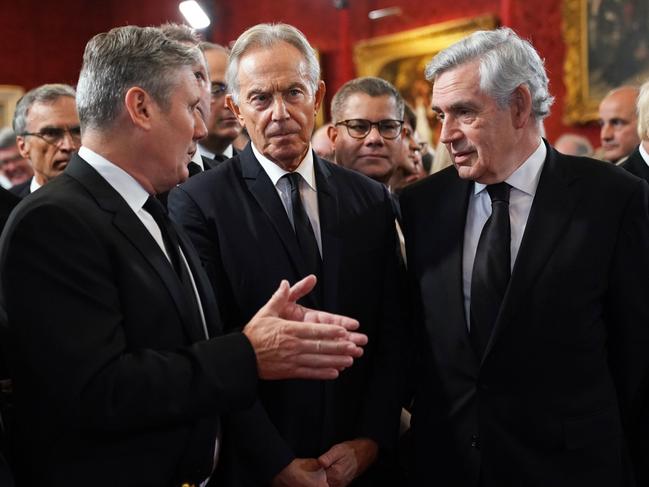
(7, 203)
(21, 190)
(242, 232)
(635, 164)
(114, 382)
(560, 396)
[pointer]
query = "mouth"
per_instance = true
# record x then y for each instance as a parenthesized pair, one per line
(461, 157)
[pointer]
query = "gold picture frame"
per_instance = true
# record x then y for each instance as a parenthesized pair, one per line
(9, 96)
(607, 45)
(401, 59)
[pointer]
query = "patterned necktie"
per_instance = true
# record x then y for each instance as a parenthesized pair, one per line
(491, 268)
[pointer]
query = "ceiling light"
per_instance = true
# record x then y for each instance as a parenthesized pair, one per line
(194, 14)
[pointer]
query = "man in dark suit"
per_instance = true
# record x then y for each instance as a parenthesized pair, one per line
(531, 274)
(222, 126)
(47, 133)
(120, 376)
(13, 166)
(278, 211)
(638, 162)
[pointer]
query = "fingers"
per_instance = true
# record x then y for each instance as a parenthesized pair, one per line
(302, 288)
(277, 301)
(330, 457)
(330, 318)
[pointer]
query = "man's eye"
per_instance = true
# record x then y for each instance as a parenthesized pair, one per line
(51, 133)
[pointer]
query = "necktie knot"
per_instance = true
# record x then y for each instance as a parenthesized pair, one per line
(499, 192)
(156, 209)
(293, 180)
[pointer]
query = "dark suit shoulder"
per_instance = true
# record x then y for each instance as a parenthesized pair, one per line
(21, 190)
(635, 164)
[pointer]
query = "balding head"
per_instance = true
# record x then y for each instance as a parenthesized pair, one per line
(618, 121)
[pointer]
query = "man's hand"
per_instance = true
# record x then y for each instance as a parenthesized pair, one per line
(347, 460)
(301, 472)
(295, 342)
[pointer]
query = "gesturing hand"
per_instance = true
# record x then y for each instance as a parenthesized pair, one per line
(292, 341)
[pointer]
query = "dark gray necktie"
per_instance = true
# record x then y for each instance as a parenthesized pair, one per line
(491, 268)
(303, 229)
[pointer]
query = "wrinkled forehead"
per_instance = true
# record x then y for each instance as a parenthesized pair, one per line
(60, 112)
(279, 64)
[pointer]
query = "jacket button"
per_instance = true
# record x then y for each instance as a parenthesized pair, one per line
(475, 441)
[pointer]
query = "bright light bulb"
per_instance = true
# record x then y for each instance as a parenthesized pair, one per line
(194, 14)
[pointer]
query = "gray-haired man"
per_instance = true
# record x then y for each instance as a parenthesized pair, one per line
(531, 273)
(47, 133)
(120, 375)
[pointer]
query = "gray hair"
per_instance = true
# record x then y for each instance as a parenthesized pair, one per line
(211, 46)
(368, 85)
(45, 94)
(506, 62)
(122, 58)
(643, 111)
(265, 36)
(7, 138)
(180, 33)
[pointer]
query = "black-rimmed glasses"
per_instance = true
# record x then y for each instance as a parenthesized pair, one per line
(55, 135)
(359, 128)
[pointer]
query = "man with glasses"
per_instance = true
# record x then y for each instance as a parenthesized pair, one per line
(222, 125)
(278, 211)
(13, 166)
(367, 118)
(47, 133)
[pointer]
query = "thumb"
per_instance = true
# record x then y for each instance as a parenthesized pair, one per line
(277, 301)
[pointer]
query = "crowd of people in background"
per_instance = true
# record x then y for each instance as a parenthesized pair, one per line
(198, 286)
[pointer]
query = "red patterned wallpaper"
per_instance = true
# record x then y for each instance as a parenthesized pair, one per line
(44, 44)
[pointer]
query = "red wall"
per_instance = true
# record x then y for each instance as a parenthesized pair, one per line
(43, 41)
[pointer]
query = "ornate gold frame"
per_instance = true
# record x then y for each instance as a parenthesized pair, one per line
(9, 96)
(372, 54)
(580, 106)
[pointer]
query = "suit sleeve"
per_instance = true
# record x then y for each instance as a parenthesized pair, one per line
(627, 314)
(63, 299)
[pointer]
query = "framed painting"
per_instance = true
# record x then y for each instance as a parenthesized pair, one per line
(401, 59)
(9, 96)
(607, 45)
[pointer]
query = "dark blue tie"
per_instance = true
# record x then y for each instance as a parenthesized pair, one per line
(491, 268)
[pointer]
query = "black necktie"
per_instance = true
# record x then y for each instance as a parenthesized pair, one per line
(193, 168)
(303, 229)
(491, 268)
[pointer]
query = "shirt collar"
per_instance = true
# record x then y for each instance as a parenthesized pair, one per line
(306, 167)
(526, 177)
(644, 154)
(227, 152)
(205, 152)
(121, 181)
(198, 159)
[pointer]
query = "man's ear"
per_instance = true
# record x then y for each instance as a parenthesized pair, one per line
(332, 133)
(319, 96)
(21, 143)
(521, 106)
(139, 106)
(234, 108)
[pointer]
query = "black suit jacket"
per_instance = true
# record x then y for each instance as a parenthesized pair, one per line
(635, 164)
(241, 230)
(7, 203)
(21, 190)
(114, 383)
(560, 397)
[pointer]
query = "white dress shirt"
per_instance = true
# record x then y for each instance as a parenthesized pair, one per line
(228, 152)
(308, 190)
(523, 182)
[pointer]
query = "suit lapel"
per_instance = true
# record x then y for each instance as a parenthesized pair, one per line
(132, 228)
(328, 209)
(449, 231)
(551, 211)
(264, 192)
